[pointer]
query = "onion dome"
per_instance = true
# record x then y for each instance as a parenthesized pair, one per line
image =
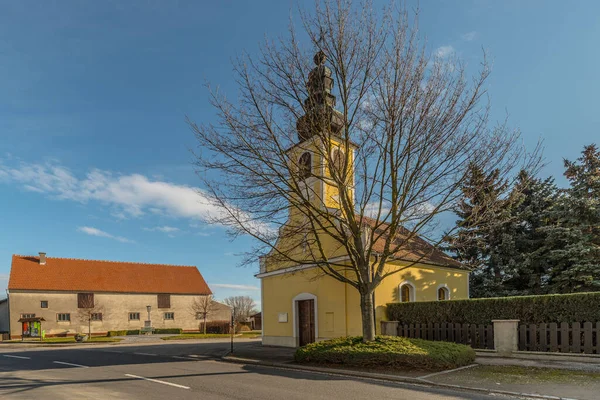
(319, 106)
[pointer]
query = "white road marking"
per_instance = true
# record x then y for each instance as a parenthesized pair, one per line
(24, 358)
(447, 371)
(157, 381)
(145, 354)
(72, 365)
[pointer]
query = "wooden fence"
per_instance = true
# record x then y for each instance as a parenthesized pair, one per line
(476, 336)
(564, 338)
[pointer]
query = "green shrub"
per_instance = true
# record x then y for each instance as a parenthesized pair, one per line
(177, 331)
(579, 307)
(116, 333)
(218, 327)
(387, 351)
(132, 332)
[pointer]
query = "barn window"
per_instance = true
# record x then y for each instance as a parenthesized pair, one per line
(96, 316)
(134, 316)
(85, 300)
(169, 315)
(164, 301)
(63, 317)
(305, 166)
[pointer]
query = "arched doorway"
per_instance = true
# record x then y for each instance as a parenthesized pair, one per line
(305, 318)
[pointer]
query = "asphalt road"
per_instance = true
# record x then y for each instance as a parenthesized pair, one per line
(178, 371)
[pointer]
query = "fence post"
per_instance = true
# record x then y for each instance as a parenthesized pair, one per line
(389, 328)
(506, 337)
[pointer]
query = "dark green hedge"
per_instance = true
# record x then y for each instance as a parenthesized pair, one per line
(387, 352)
(579, 307)
(177, 331)
(123, 332)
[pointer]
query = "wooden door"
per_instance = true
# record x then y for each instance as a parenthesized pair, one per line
(306, 321)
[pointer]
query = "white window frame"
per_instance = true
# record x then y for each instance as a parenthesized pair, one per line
(446, 289)
(413, 292)
(169, 319)
(63, 320)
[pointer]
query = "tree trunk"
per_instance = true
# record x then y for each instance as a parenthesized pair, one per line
(90, 327)
(205, 323)
(368, 320)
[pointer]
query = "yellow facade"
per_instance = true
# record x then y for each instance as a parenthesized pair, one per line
(338, 304)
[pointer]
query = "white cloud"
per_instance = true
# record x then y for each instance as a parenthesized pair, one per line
(3, 277)
(469, 36)
(165, 229)
(444, 51)
(131, 195)
(374, 208)
(88, 230)
(234, 286)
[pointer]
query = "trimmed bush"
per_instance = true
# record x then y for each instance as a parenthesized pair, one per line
(177, 331)
(579, 307)
(116, 333)
(218, 327)
(388, 352)
(133, 332)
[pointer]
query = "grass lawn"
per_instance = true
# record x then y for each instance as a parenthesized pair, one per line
(66, 340)
(251, 334)
(525, 375)
(196, 336)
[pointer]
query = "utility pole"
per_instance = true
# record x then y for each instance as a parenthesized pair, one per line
(232, 327)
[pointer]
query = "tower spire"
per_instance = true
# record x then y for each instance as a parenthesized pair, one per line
(320, 113)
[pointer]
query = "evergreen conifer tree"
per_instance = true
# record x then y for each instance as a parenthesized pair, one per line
(529, 263)
(478, 240)
(575, 240)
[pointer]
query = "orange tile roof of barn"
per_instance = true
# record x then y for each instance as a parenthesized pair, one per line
(69, 274)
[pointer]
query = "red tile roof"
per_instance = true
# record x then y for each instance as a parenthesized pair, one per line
(69, 274)
(416, 249)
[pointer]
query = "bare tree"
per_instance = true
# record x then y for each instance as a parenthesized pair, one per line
(390, 131)
(203, 305)
(242, 307)
(89, 310)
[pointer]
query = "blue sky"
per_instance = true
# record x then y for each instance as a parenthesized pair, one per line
(94, 149)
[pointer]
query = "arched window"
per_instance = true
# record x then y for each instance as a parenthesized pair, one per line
(407, 292)
(337, 156)
(443, 293)
(305, 165)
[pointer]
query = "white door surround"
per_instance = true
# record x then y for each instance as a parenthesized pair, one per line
(295, 300)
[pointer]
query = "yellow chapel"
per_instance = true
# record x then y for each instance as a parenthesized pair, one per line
(300, 304)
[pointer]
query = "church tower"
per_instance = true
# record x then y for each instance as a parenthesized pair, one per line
(321, 151)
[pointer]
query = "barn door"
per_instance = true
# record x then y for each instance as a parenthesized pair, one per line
(306, 321)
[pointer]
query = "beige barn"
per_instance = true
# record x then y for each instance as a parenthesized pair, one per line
(65, 296)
